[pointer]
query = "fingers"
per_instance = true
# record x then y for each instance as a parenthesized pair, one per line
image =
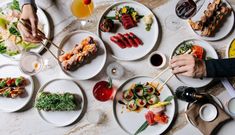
(33, 23)
(27, 36)
(178, 70)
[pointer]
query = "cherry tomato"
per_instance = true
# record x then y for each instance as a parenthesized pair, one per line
(86, 2)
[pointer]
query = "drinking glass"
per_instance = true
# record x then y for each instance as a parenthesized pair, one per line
(186, 9)
(83, 11)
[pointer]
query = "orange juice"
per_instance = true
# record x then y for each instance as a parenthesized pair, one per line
(81, 10)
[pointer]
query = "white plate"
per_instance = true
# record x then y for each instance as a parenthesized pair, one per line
(63, 118)
(228, 48)
(224, 29)
(12, 105)
(149, 38)
(210, 52)
(189, 104)
(42, 18)
(131, 121)
(88, 70)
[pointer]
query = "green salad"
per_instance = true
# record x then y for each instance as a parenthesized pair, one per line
(11, 42)
(56, 102)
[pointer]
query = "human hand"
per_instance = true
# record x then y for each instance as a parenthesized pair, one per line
(188, 65)
(29, 32)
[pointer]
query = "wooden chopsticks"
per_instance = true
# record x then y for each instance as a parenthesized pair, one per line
(27, 25)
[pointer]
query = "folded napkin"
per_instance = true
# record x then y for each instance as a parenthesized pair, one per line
(206, 127)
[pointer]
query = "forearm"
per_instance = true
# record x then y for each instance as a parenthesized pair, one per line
(220, 67)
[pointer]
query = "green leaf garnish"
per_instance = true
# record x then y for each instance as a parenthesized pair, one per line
(169, 98)
(142, 128)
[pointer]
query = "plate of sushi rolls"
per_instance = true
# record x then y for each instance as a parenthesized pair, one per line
(214, 20)
(16, 88)
(139, 97)
(84, 56)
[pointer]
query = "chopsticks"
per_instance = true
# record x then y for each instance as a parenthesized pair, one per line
(157, 76)
(27, 25)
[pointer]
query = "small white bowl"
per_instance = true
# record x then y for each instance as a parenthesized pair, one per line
(163, 60)
(231, 106)
(208, 112)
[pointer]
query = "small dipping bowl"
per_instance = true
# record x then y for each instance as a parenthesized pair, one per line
(231, 106)
(208, 112)
(157, 60)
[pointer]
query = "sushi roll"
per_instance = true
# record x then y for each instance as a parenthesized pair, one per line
(149, 89)
(139, 90)
(128, 95)
(152, 99)
(131, 105)
(141, 102)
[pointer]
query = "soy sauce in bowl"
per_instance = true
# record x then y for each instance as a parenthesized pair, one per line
(156, 60)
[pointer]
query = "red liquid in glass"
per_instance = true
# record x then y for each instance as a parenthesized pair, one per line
(102, 92)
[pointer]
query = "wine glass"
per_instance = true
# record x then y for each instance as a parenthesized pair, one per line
(32, 63)
(83, 10)
(186, 9)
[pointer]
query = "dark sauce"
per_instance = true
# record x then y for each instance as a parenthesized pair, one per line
(156, 60)
(185, 9)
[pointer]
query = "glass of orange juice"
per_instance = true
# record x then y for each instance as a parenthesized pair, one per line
(83, 10)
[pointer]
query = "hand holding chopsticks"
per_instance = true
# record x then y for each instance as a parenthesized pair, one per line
(42, 35)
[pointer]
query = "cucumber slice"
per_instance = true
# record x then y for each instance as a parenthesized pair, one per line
(128, 95)
(141, 102)
(131, 105)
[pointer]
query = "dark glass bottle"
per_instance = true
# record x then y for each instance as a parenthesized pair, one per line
(189, 94)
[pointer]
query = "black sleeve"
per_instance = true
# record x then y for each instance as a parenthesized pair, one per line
(220, 67)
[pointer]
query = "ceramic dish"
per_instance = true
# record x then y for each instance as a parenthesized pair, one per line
(88, 70)
(149, 38)
(42, 18)
(12, 105)
(131, 121)
(63, 118)
(210, 53)
(224, 29)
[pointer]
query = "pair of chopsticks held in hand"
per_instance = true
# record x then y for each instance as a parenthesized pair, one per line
(41, 35)
(158, 75)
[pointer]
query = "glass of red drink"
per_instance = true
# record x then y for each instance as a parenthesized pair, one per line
(103, 91)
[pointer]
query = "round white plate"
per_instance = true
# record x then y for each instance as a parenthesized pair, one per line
(227, 49)
(149, 38)
(131, 121)
(189, 104)
(62, 118)
(9, 104)
(42, 19)
(210, 52)
(225, 27)
(89, 70)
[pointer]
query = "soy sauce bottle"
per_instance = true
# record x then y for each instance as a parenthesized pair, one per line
(189, 94)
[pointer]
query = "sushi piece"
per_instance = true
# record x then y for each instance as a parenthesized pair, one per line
(152, 99)
(128, 95)
(149, 89)
(141, 102)
(131, 105)
(124, 40)
(127, 21)
(139, 90)
(118, 41)
(136, 39)
(131, 40)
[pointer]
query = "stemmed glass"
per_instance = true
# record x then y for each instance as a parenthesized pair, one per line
(31, 63)
(83, 10)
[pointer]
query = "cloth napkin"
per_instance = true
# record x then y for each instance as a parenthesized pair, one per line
(206, 127)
